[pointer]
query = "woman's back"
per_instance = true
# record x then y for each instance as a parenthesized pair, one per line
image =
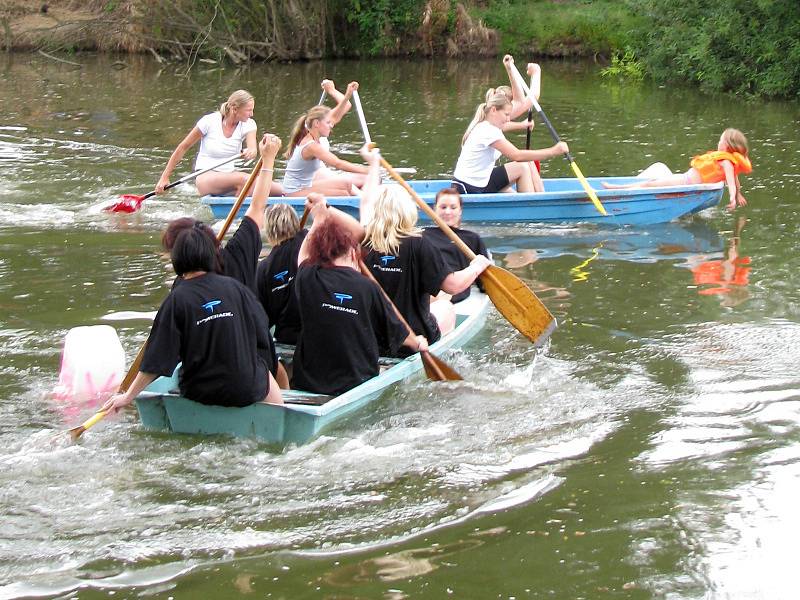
(218, 330)
(345, 323)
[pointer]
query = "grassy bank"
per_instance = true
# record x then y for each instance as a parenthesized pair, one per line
(561, 27)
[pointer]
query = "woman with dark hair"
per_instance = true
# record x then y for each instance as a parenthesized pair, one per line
(238, 259)
(214, 326)
(345, 317)
(449, 206)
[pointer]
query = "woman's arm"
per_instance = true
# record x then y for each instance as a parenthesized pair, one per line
(732, 181)
(342, 101)
(117, 401)
(250, 145)
(370, 188)
(190, 140)
(461, 280)
(517, 125)
(316, 150)
(268, 147)
(519, 101)
(320, 212)
(511, 151)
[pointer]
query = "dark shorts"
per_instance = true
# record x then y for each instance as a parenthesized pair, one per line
(498, 180)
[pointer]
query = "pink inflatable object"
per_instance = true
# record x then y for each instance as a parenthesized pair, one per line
(92, 364)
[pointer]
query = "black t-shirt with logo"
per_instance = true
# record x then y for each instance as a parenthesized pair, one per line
(275, 282)
(218, 329)
(410, 278)
(452, 255)
(345, 322)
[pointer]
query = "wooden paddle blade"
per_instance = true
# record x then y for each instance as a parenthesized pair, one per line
(518, 304)
(438, 370)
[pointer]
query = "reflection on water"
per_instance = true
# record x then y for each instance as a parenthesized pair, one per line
(647, 451)
(726, 278)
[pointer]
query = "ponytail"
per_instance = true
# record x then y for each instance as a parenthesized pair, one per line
(301, 126)
(236, 100)
(495, 97)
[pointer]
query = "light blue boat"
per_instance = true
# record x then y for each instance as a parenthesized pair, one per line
(305, 415)
(563, 201)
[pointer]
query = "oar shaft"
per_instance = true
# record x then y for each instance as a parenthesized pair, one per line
(134, 369)
(585, 184)
(361, 119)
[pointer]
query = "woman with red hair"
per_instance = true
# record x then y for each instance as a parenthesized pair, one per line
(345, 318)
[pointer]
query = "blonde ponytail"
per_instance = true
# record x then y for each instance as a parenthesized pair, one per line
(495, 98)
(302, 125)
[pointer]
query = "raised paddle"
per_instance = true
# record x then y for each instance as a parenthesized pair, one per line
(77, 432)
(131, 202)
(512, 298)
(435, 368)
(589, 191)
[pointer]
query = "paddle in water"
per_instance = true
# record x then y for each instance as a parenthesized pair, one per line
(435, 368)
(512, 298)
(77, 432)
(131, 202)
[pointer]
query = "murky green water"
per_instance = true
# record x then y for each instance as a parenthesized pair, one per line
(650, 452)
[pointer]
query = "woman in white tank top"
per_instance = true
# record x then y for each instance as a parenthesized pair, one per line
(309, 151)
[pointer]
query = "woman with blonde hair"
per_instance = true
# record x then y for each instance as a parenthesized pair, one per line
(309, 151)
(221, 135)
(484, 142)
(407, 266)
(276, 273)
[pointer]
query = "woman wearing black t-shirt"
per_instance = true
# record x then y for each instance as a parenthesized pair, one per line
(345, 318)
(239, 257)
(449, 206)
(276, 273)
(215, 327)
(407, 265)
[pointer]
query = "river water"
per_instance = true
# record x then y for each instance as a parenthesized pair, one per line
(650, 451)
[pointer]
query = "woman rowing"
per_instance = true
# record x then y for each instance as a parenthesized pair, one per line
(214, 326)
(483, 143)
(276, 273)
(449, 206)
(221, 135)
(309, 151)
(239, 257)
(406, 265)
(346, 320)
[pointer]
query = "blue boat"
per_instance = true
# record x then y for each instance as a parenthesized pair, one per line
(304, 415)
(563, 201)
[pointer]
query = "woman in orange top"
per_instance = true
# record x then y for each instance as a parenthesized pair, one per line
(723, 164)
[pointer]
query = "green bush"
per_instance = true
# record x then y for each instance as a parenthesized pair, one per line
(742, 46)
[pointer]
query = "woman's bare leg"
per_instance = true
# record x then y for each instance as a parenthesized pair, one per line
(521, 174)
(229, 184)
(445, 314)
(274, 395)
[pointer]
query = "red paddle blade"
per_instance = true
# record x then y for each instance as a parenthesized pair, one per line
(128, 204)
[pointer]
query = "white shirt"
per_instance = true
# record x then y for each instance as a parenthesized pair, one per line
(214, 146)
(477, 157)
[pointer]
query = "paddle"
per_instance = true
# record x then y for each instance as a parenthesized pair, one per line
(535, 105)
(131, 203)
(530, 122)
(78, 431)
(435, 368)
(512, 298)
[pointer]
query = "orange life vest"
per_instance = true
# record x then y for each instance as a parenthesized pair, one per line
(710, 169)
